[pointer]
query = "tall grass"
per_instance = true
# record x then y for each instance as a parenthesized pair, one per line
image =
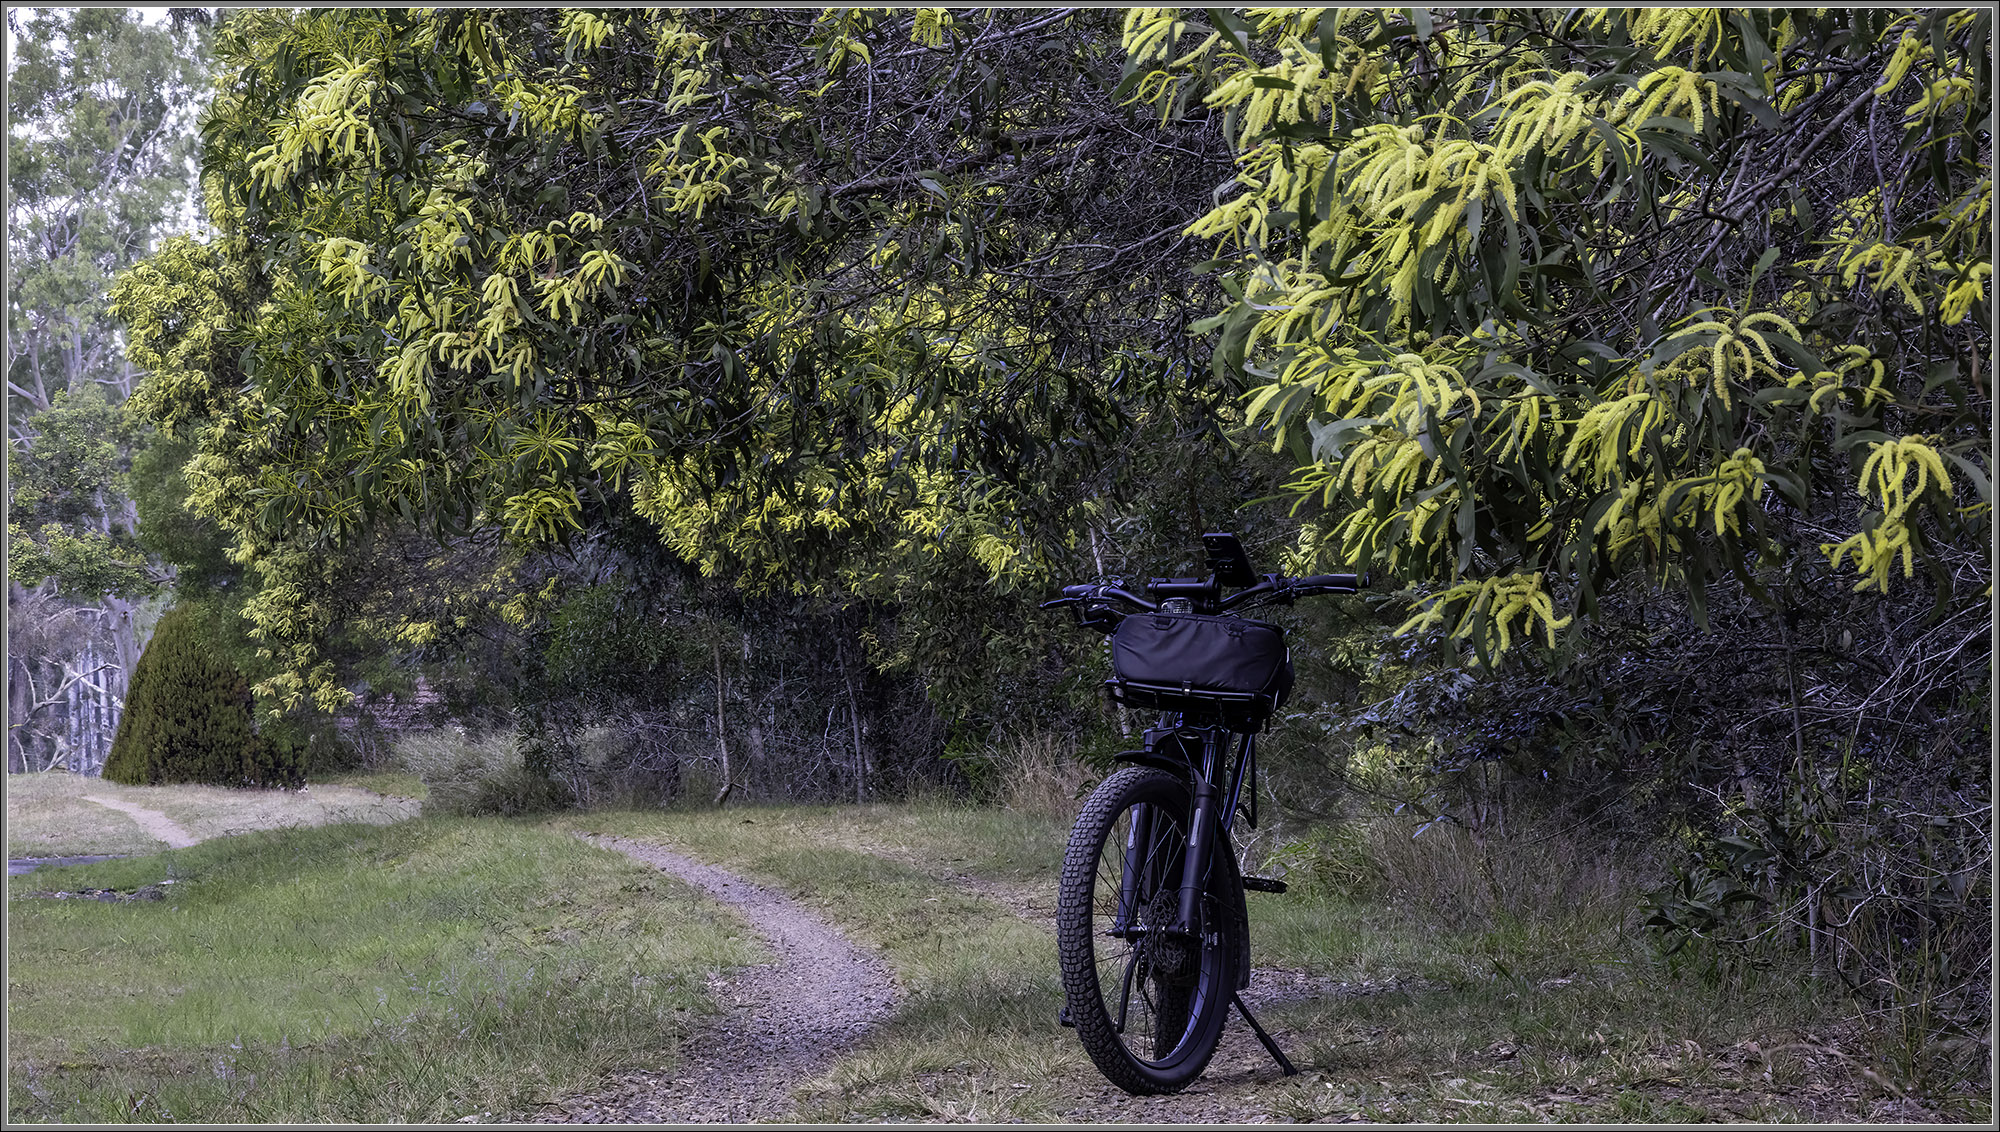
(1518, 963)
(1043, 775)
(420, 972)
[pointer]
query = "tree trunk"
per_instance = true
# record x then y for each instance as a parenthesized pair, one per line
(753, 733)
(40, 397)
(753, 741)
(86, 749)
(20, 694)
(101, 748)
(721, 730)
(854, 722)
(72, 733)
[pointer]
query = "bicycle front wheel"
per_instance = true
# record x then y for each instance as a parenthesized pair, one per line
(1148, 1000)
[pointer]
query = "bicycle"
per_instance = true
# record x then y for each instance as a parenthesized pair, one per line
(1152, 929)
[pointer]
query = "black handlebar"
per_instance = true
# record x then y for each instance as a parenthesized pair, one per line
(1332, 583)
(1273, 587)
(1074, 594)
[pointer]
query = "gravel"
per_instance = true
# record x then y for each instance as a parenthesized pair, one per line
(782, 1022)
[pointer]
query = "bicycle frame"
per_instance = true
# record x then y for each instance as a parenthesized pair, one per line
(1204, 773)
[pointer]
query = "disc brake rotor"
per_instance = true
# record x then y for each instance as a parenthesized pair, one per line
(1170, 956)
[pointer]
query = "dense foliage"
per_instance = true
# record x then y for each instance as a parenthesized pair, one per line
(840, 298)
(187, 719)
(67, 518)
(719, 388)
(1540, 299)
(101, 139)
(1658, 338)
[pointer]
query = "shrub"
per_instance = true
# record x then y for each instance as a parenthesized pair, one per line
(317, 743)
(188, 719)
(483, 775)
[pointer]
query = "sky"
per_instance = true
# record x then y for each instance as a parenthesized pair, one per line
(148, 13)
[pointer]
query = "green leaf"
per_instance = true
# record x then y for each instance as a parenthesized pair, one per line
(1859, 437)
(1781, 395)
(1749, 94)
(1972, 471)
(1764, 262)
(1331, 438)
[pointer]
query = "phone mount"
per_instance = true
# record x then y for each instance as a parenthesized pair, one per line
(1228, 561)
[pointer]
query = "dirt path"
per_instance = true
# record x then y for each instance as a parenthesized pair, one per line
(153, 822)
(782, 1023)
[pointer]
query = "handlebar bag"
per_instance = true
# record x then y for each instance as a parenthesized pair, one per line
(1202, 653)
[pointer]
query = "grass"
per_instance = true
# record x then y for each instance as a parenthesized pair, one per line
(390, 782)
(1510, 982)
(416, 972)
(49, 816)
(980, 985)
(448, 967)
(1516, 991)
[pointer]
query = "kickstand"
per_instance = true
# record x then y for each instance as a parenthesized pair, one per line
(1283, 1062)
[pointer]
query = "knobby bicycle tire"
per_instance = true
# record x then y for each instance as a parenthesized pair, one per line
(1148, 1005)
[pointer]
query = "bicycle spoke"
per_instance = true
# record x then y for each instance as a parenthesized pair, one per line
(1150, 1009)
(1144, 1005)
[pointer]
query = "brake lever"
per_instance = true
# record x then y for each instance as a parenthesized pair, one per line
(1281, 590)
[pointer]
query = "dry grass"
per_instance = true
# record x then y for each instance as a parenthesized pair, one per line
(1041, 775)
(393, 781)
(1457, 979)
(1452, 992)
(49, 816)
(1447, 869)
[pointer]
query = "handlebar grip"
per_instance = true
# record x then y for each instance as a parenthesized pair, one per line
(1077, 591)
(1334, 583)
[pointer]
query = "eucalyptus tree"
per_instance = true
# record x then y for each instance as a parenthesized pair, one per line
(100, 151)
(101, 145)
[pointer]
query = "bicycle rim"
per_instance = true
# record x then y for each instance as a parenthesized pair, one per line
(1148, 1001)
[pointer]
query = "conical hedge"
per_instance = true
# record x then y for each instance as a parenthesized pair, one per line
(188, 719)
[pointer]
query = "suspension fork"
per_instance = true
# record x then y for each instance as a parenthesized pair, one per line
(1194, 870)
(1138, 853)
